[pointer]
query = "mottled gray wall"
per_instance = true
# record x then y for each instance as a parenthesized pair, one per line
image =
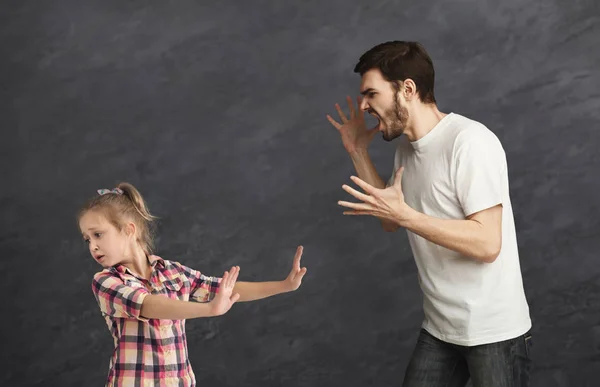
(216, 111)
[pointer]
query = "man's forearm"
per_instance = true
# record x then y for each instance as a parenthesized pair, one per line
(467, 237)
(162, 307)
(365, 168)
(251, 291)
(367, 172)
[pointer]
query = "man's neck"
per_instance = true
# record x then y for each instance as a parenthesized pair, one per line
(422, 120)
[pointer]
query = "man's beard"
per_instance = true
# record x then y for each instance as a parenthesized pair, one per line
(395, 121)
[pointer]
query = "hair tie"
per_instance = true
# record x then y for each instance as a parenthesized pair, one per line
(104, 191)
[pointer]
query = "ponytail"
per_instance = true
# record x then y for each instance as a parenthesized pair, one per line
(136, 200)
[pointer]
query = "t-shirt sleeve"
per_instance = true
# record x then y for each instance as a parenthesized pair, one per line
(480, 171)
(116, 299)
(202, 288)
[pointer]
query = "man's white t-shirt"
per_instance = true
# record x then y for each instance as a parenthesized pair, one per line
(457, 169)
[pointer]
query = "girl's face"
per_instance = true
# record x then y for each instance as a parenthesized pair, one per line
(107, 244)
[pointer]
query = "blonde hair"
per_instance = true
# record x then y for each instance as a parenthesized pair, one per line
(125, 205)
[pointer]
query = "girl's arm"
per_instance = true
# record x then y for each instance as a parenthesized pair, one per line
(161, 307)
(251, 291)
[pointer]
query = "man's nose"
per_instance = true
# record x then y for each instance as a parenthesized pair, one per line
(364, 105)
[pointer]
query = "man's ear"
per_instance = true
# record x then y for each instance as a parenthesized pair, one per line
(409, 89)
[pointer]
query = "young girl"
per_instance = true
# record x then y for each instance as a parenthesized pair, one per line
(145, 299)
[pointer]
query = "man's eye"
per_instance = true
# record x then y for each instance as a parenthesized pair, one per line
(371, 94)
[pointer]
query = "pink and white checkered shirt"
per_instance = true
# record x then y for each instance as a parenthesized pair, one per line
(149, 352)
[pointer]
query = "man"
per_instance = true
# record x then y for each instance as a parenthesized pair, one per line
(450, 192)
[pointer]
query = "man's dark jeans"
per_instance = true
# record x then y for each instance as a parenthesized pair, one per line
(435, 363)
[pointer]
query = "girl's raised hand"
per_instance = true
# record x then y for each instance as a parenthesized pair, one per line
(224, 299)
(294, 279)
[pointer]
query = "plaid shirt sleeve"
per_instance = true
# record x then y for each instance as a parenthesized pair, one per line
(117, 299)
(202, 288)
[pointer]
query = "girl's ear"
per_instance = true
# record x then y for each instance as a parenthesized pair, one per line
(130, 229)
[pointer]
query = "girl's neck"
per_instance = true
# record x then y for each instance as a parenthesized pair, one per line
(139, 263)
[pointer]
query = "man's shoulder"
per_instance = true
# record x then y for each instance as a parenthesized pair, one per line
(467, 131)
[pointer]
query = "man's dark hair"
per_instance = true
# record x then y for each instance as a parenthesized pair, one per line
(398, 61)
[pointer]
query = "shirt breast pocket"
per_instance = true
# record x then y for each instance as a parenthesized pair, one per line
(174, 286)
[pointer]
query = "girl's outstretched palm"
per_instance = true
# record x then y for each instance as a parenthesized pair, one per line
(294, 279)
(224, 299)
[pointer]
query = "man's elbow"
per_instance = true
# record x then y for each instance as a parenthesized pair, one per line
(491, 252)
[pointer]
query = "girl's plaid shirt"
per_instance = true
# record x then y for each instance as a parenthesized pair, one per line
(149, 352)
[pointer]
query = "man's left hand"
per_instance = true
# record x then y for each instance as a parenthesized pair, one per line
(385, 203)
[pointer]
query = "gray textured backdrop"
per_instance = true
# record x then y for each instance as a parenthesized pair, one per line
(216, 112)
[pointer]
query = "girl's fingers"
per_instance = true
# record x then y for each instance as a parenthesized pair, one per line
(297, 257)
(235, 275)
(301, 273)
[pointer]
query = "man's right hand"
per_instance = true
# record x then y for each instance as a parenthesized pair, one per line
(354, 132)
(224, 299)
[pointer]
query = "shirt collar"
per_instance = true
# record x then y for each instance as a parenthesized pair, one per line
(154, 260)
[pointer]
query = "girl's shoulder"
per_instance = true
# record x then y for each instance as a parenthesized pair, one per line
(106, 272)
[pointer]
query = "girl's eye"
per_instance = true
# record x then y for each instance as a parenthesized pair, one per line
(86, 241)
(97, 235)
(371, 94)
